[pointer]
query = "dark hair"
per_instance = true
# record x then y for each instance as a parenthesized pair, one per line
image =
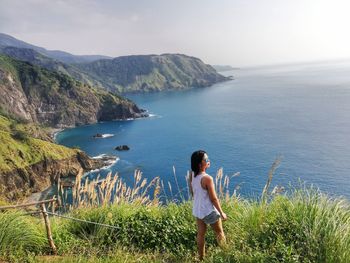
(196, 159)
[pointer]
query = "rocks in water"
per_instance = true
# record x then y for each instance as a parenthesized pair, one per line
(98, 135)
(122, 148)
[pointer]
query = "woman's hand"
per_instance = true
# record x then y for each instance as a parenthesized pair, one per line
(223, 216)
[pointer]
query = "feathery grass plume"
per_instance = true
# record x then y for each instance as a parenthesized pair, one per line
(187, 178)
(265, 193)
(171, 191)
(111, 189)
(222, 184)
(177, 185)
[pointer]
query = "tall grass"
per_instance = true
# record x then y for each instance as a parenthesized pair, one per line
(20, 234)
(109, 190)
(302, 225)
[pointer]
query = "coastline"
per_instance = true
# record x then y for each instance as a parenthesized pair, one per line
(54, 132)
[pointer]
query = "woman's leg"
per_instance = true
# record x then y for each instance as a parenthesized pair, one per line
(219, 232)
(201, 229)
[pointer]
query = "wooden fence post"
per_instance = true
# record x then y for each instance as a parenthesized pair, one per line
(48, 229)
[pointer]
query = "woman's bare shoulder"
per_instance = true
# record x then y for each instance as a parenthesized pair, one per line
(207, 178)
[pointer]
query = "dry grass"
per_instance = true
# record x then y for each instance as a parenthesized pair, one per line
(110, 190)
(113, 190)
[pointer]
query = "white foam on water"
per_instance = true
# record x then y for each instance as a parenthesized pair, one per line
(107, 135)
(109, 163)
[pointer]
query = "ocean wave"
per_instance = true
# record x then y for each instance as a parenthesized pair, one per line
(107, 135)
(152, 115)
(99, 156)
(109, 163)
(102, 136)
(55, 133)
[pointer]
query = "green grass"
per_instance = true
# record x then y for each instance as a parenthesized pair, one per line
(305, 226)
(19, 149)
(20, 236)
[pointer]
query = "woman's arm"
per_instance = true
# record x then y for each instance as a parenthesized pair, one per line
(207, 183)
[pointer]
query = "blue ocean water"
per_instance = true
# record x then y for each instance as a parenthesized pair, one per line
(300, 112)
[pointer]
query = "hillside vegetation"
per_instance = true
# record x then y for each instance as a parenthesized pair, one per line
(36, 94)
(125, 74)
(301, 226)
(146, 73)
(19, 148)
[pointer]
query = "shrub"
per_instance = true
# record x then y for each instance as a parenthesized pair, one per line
(20, 135)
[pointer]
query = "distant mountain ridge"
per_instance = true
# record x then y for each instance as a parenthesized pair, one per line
(144, 73)
(222, 68)
(36, 58)
(7, 40)
(125, 74)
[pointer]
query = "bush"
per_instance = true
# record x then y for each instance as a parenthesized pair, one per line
(20, 135)
(145, 228)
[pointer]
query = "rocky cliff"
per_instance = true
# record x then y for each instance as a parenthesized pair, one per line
(35, 94)
(33, 98)
(29, 163)
(24, 181)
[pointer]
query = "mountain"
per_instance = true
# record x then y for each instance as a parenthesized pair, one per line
(130, 73)
(32, 99)
(144, 73)
(222, 68)
(36, 58)
(7, 40)
(126, 74)
(35, 94)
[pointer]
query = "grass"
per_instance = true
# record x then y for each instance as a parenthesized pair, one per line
(303, 225)
(20, 235)
(19, 148)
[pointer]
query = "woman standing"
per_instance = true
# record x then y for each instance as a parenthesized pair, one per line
(206, 205)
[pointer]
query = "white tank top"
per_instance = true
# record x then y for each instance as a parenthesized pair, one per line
(202, 206)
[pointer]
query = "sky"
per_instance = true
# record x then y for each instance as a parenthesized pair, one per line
(225, 32)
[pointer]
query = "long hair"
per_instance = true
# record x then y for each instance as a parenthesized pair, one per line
(196, 159)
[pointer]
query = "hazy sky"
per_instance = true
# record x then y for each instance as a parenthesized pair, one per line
(235, 32)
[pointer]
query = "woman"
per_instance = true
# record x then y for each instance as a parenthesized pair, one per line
(206, 205)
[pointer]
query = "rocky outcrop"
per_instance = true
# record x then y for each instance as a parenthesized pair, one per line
(122, 148)
(22, 182)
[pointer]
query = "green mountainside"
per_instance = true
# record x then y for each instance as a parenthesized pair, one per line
(145, 73)
(19, 147)
(34, 57)
(126, 74)
(38, 95)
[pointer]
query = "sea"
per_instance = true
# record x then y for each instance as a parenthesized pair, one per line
(296, 113)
